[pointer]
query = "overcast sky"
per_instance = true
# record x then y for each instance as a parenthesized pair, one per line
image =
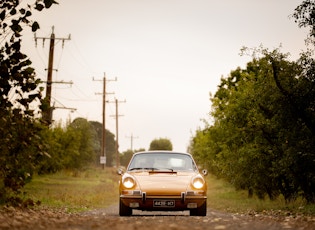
(167, 55)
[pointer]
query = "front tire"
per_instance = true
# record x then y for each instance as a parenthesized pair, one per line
(124, 210)
(200, 211)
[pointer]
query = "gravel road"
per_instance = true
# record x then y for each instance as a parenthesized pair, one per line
(108, 218)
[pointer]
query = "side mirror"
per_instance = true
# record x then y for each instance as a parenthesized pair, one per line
(120, 171)
(205, 172)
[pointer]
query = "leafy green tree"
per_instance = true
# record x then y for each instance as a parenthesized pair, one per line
(161, 144)
(262, 132)
(262, 138)
(110, 143)
(72, 147)
(63, 147)
(91, 141)
(83, 152)
(110, 148)
(205, 147)
(97, 141)
(304, 15)
(125, 157)
(53, 145)
(20, 144)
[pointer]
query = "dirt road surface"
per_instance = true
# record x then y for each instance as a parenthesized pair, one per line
(108, 218)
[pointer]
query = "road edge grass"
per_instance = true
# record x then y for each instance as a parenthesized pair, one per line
(224, 197)
(75, 191)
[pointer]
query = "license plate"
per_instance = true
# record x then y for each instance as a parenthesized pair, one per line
(163, 203)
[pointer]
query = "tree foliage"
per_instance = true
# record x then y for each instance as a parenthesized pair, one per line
(263, 136)
(304, 15)
(161, 144)
(76, 146)
(110, 143)
(20, 143)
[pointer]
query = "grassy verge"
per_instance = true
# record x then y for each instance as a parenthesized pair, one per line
(223, 196)
(98, 188)
(75, 191)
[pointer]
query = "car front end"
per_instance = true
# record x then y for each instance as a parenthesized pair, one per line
(163, 189)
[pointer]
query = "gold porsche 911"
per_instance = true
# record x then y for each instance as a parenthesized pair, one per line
(162, 181)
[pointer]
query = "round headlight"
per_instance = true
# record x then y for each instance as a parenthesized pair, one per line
(128, 182)
(198, 182)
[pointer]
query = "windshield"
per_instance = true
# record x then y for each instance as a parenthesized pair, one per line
(162, 161)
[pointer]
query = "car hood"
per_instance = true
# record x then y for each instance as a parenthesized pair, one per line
(163, 183)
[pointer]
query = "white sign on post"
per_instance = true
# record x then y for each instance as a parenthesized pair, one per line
(103, 160)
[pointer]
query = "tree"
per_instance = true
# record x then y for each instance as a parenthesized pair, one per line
(110, 143)
(125, 157)
(54, 140)
(304, 15)
(262, 136)
(75, 146)
(20, 144)
(204, 146)
(161, 144)
(83, 147)
(110, 148)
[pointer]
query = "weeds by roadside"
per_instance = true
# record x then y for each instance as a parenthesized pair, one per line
(223, 196)
(75, 191)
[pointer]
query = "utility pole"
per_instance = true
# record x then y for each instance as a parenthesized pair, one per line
(103, 149)
(47, 116)
(131, 140)
(117, 142)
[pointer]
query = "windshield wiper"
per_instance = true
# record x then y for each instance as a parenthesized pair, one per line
(135, 169)
(152, 169)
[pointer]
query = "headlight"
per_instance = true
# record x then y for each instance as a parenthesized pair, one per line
(198, 182)
(128, 182)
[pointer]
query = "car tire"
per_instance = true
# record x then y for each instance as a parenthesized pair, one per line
(200, 211)
(124, 210)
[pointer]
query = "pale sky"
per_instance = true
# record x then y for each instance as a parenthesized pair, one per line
(167, 55)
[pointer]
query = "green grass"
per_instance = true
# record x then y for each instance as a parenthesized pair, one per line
(223, 196)
(75, 191)
(98, 188)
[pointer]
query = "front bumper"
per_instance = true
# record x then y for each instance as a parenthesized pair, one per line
(165, 203)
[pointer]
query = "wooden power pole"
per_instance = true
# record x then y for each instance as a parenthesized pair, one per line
(103, 149)
(47, 116)
(131, 140)
(117, 142)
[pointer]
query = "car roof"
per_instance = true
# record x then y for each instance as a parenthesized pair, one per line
(161, 151)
